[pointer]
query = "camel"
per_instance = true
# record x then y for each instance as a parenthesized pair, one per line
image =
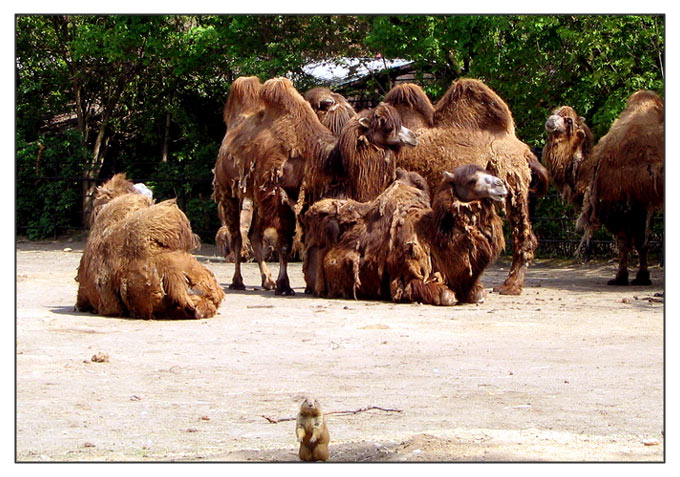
(568, 154)
(137, 262)
(471, 124)
(397, 247)
(274, 141)
(331, 108)
(618, 183)
(362, 164)
(333, 111)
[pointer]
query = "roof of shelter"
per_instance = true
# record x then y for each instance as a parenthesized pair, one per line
(342, 71)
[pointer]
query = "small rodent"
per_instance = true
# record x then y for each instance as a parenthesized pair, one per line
(311, 431)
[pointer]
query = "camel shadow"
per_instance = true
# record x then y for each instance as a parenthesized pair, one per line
(266, 294)
(67, 310)
(71, 311)
(574, 276)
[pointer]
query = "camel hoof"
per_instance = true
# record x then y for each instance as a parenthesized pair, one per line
(268, 284)
(284, 292)
(618, 282)
(308, 291)
(642, 279)
(447, 298)
(508, 289)
(237, 286)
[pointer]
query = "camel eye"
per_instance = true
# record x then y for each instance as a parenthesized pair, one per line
(568, 120)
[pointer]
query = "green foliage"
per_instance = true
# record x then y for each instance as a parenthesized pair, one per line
(44, 204)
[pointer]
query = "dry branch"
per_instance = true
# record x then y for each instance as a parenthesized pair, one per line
(274, 420)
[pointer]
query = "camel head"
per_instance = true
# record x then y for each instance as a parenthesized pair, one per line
(471, 182)
(412, 179)
(565, 122)
(332, 109)
(382, 127)
(141, 188)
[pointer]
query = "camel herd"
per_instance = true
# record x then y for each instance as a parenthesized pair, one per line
(399, 202)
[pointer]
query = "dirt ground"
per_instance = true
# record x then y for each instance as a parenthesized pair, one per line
(571, 370)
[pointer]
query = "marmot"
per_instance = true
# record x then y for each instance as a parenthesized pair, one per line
(311, 431)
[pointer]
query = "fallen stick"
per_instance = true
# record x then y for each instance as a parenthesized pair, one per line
(274, 420)
(650, 299)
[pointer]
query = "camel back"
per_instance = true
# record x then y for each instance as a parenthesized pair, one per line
(630, 157)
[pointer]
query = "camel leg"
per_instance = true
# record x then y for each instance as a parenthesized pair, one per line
(524, 243)
(624, 246)
(255, 235)
(640, 240)
(311, 268)
(229, 210)
(284, 245)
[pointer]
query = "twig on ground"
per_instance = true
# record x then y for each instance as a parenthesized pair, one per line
(274, 420)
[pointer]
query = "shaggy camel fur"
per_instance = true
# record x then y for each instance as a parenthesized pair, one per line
(398, 247)
(331, 108)
(473, 125)
(136, 260)
(267, 152)
(362, 164)
(568, 154)
(627, 186)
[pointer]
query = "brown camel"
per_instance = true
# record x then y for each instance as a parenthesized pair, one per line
(473, 125)
(398, 247)
(137, 261)
(625, 185)
(274, 143)
(568, 154)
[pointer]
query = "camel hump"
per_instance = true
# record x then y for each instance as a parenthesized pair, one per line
(645, 96)
(280, 93)
(413, 97)
(118, 184)
(471, 104)
(243, 95)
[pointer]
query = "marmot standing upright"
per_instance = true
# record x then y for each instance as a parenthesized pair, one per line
(311, 431)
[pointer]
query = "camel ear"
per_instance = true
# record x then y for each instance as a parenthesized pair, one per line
(581, 120)
(449, 176)
(364, 122)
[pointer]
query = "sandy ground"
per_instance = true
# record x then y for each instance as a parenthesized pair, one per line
(571, 370)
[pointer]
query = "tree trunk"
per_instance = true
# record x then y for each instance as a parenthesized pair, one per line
(166, 138)
(91, 173)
